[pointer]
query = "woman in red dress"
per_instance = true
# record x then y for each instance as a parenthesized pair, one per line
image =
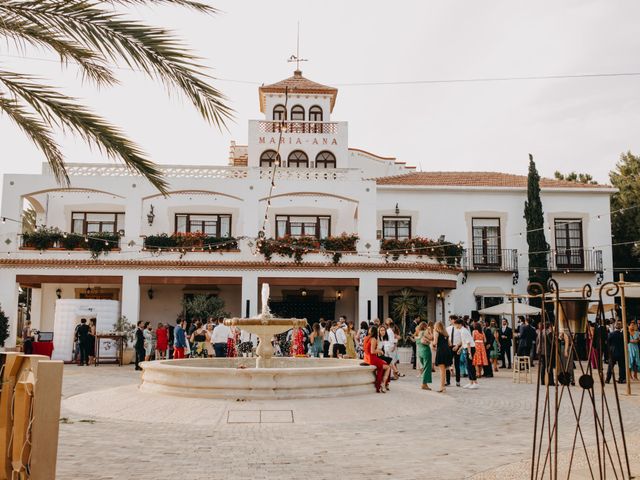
(297, 343)
(371, 351)
(162, 342)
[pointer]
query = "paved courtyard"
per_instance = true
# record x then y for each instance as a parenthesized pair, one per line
(110, 430)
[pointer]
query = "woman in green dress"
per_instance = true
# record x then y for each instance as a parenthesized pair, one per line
(494, 354)
(424, 337)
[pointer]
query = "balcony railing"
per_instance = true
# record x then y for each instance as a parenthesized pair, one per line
(575, 260)
(265, 126)
(490, 260)
(189, 241)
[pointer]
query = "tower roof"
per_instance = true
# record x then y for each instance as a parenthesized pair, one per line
(297, 84)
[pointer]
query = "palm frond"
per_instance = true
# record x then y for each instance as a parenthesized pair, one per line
(195, 5)
(155, 51)
(57, 109)
(93, 66)
(38, 132)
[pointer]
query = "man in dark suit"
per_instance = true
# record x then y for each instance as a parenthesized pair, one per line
(545, 348)
(139, 345)
(615, 344)
(488, 346)
(83, 339)
(526, 339)
(506, 336)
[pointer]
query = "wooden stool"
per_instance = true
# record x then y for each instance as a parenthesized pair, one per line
(521, 370)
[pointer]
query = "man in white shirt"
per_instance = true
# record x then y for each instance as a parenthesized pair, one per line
(470, 345)
(455, 342)
(339, 342)
(219, 339)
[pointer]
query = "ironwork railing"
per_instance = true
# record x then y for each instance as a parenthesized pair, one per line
(490, 260)
(575, 260)
(265, 126)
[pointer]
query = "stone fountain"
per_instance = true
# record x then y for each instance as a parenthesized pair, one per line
(264, 377)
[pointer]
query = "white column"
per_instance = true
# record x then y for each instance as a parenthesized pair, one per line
(366, 226)
(36, 308)
(367, 298)
(130, 294)
(250, 293)
(132, 222)
(9, 304)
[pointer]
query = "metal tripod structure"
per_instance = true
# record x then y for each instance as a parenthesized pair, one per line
(590, 408)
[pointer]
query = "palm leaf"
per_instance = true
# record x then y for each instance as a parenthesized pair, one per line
(195, 5)
(57, 109)
(92, 65)
(155, 51)
(38, 132)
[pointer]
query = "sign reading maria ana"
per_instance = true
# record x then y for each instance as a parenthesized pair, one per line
(291, 140)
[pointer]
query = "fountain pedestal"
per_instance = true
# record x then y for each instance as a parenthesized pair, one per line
(265, 327)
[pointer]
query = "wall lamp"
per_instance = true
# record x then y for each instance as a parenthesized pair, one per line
(339, 295)
(150, 215)
(397, 209)
(59, 293)
(303, 292)
(150, 293)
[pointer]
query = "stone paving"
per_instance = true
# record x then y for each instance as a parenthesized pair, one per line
(110, 430)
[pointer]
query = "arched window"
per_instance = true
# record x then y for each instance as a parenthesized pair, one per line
(325, 160)
(315, 114)
(297, 113)
(298, 159)
(279, 113)
(268, 157)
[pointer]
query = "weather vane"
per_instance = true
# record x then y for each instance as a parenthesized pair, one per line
(296, 58)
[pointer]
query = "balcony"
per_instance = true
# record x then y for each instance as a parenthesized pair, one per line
(575, 260)
(53, 239)
(196, 242)
(265, 126)
(490, 260)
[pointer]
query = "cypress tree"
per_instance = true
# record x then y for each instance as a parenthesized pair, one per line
(4, 327)
(536, 241)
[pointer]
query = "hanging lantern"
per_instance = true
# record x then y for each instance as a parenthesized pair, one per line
(572, 314)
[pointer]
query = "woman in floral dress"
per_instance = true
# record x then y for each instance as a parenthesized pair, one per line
(232, 341)
(297, 343)
(480, 358)
(364, 329)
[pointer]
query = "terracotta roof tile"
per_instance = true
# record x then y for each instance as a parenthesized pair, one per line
(476, 179)
(221, 265)
(297, 84)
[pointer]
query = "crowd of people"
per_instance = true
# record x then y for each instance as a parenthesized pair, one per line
(463, 348)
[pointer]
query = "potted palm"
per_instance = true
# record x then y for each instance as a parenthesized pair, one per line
(402, 307)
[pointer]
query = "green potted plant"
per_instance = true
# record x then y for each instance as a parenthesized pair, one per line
(42, 238)
(335, 247)
(124, 327)
(287, 246)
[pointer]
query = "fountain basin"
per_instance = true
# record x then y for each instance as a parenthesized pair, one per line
(238, 378)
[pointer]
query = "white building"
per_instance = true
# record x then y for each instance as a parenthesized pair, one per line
(322, 189)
